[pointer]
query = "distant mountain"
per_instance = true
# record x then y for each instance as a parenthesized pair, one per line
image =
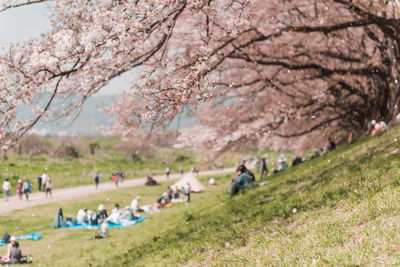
(85, 124)
(89, 119)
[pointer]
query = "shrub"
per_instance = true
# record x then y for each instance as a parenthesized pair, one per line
(32, 145)
(93, 147)
(66, 147)
(136, 157)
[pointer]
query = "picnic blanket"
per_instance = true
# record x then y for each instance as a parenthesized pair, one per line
(110, 225)
(31, 236)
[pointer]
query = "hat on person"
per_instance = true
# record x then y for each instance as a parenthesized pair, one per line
(101, 207)
(13, 238)
(138, 197)
(19, 181)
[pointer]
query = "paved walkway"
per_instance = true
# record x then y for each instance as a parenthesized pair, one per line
(39, 198)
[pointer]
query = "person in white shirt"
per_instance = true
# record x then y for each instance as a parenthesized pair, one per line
(115, 216)
(82, 216)
(135, 204)
(104, 230)
(44, 180)
(7, 189)
(187, 190)
(48, 186)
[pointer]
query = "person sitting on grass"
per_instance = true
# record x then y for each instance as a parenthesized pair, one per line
(379, 127)
(115, 216)
(135, 205)
(82, 216)
(331, 144)
(13, 253)
(128, 215)
(169, 192)
(281, 164)
(242, 180)
(176, 193)
(104, 231)
(102, 212)
(150, 180)
(94, 218)
(297, 160)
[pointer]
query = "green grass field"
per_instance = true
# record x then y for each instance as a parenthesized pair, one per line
(61, 247)
(70, 172)
(339, 209)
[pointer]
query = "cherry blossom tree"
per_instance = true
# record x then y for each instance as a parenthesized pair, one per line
(252, 69)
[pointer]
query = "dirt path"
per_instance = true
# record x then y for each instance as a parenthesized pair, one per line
(39, 198)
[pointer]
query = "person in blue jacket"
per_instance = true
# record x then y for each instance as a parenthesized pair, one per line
(243, 179)
(27, 189)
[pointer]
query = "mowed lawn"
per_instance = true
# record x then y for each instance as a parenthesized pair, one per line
(69, 247)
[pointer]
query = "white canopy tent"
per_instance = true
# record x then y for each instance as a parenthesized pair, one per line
(190, 178)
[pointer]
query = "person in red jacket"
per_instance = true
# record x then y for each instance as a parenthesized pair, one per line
(114, 177)
(19, 189)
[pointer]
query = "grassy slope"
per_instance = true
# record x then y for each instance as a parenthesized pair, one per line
(347, 213)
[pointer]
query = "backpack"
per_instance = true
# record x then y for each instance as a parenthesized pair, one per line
(6, 238)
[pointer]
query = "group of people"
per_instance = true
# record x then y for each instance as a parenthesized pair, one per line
(25, 188)
(100, 217)
(93, 217)
(21, 188)
(45, 180)
(116, 177)
(244, 177)
(377, 127)
(174, 196)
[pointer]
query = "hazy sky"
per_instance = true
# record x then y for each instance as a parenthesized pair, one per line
(27, 22)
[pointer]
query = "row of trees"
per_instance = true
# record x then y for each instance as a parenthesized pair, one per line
(252, 68)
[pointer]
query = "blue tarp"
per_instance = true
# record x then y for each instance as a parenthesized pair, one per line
(32, 236)
(110, 225)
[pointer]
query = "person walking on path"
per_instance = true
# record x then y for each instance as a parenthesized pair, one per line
(19, 189)
(181, 170)
(121, 175)
(27, 189)
(7, 189)
(115, 179)
(39, 181)
(167, 172)
(49, 186)
(187, 190)
(97, 180)
(44, 180)
(264, 168)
